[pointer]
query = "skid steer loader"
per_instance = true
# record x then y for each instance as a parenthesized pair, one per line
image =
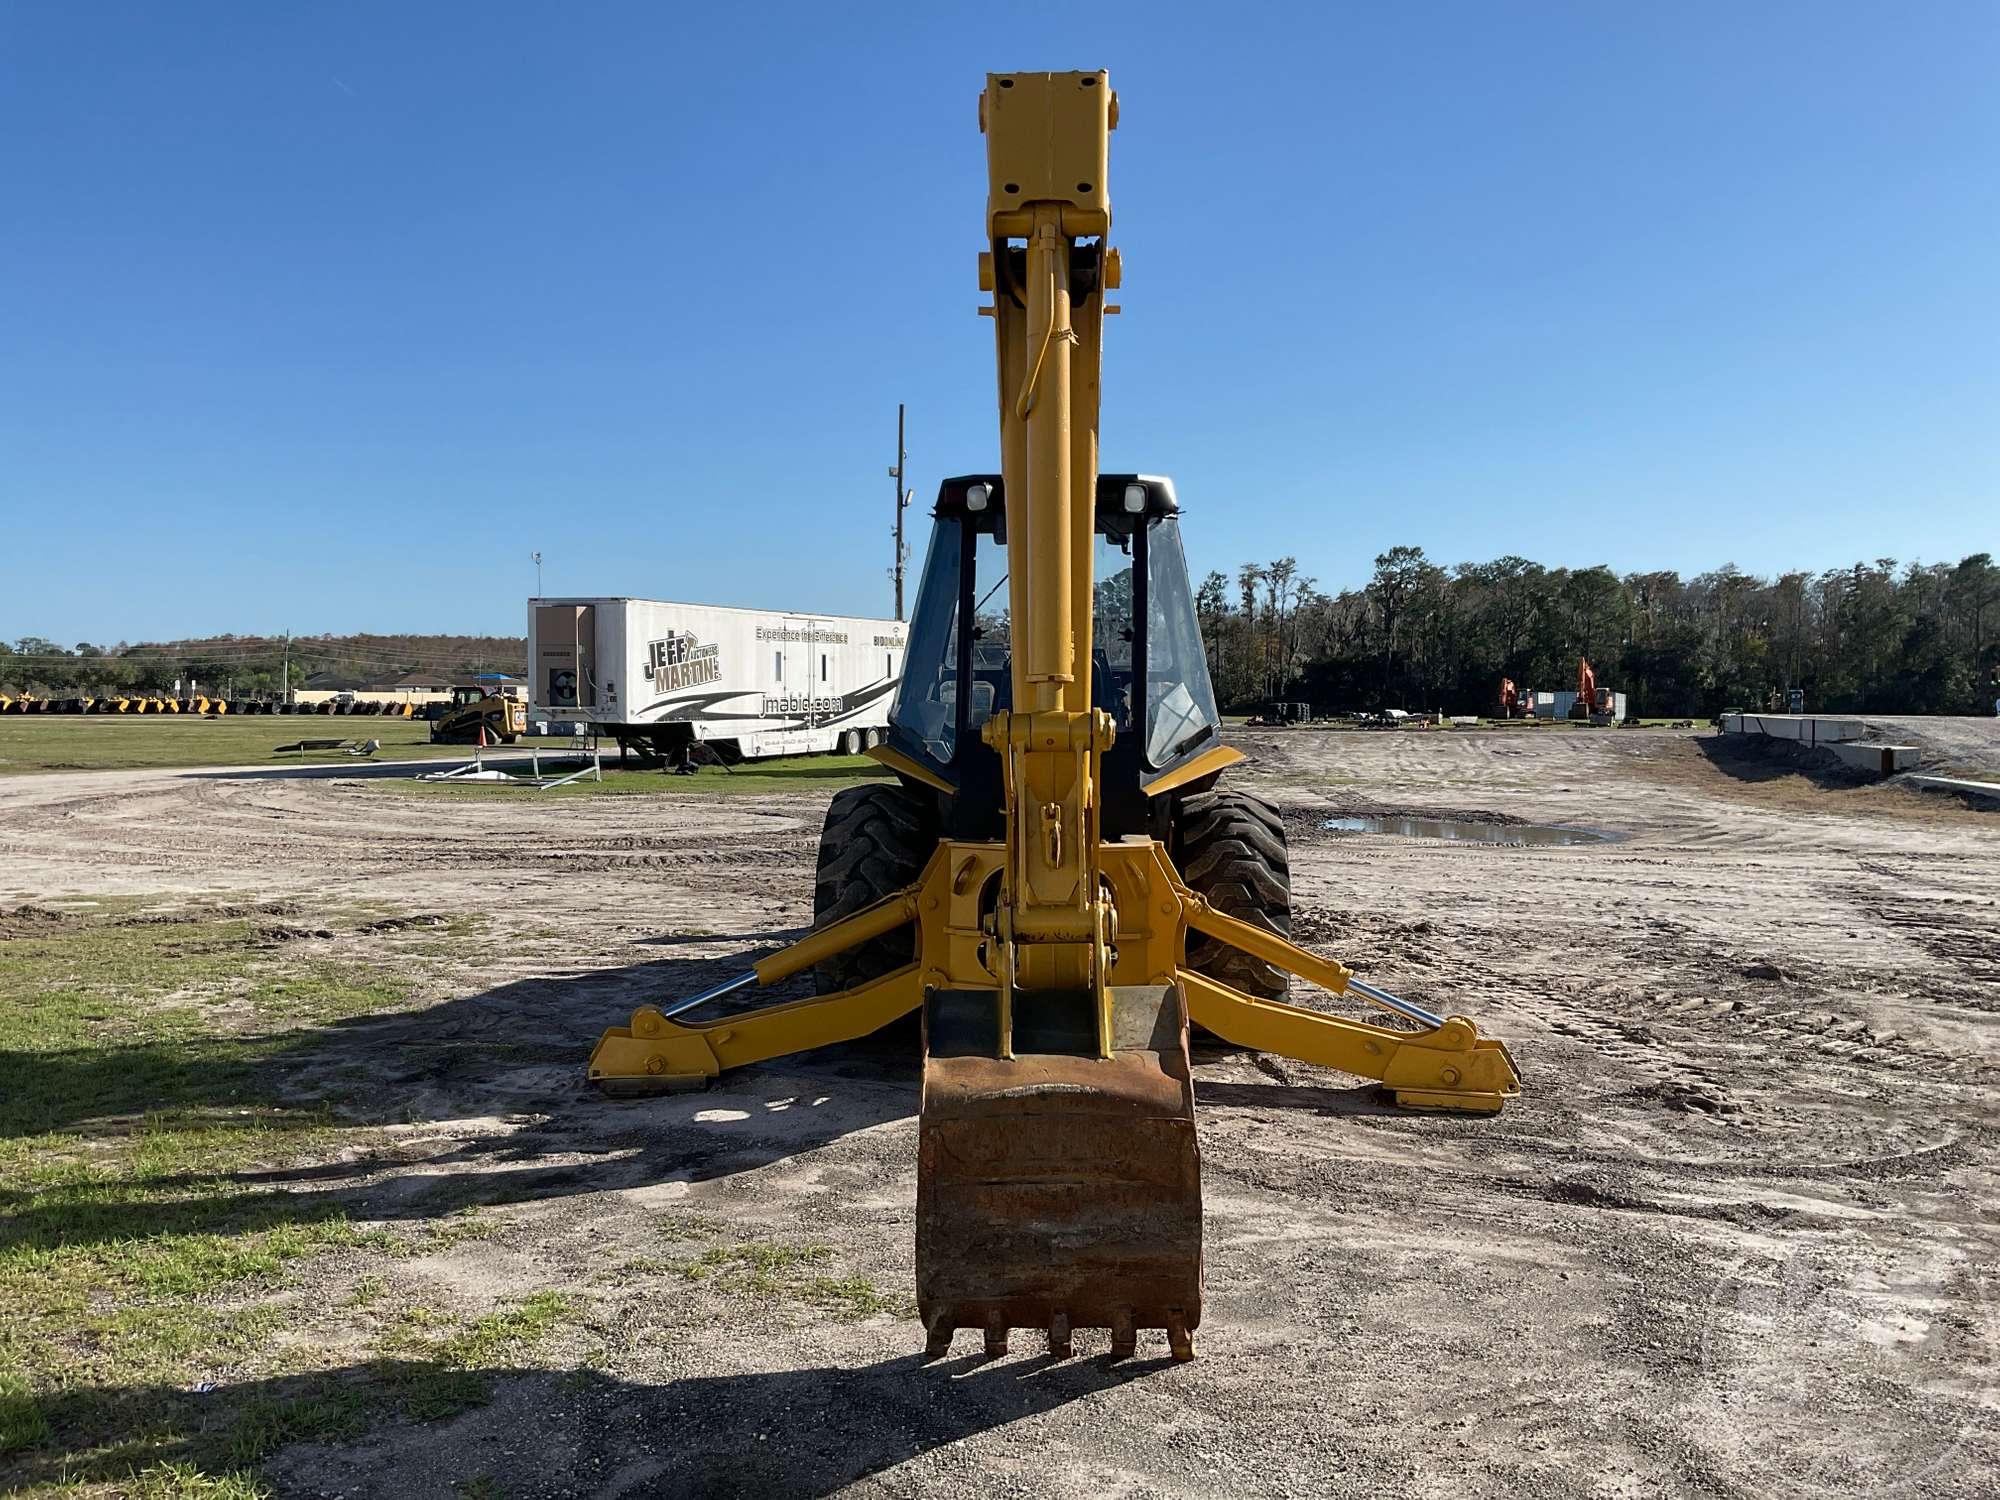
(1057, 881)
(496, 716)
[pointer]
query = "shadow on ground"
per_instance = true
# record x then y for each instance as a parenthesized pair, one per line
(1361, 1099)
(361, 768)
(1756, 758)
(776, 1435)
(499, 1074)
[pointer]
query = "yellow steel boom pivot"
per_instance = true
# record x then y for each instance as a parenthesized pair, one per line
(1058, 1169)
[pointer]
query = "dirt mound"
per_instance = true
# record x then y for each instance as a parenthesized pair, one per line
(33, 921)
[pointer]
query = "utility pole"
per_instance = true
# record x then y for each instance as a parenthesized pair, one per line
(285, 681)
(903, 499)
(538, 575)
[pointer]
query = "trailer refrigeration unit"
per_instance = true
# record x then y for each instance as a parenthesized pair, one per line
(748, 683)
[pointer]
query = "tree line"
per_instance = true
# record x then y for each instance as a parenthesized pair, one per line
(245, 666)
(1878, 637)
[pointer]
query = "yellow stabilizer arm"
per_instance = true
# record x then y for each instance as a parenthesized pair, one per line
(1447, 1066)
(656, 1053)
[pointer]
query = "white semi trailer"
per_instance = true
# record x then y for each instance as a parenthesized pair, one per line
(746, 682)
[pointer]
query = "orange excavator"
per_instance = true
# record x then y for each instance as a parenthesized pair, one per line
(1591, 700)
(1586, 690)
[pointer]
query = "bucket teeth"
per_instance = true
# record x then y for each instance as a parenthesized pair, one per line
(937, 1337)
(996, 1335)
(1060, 1346)
(1179, 1338)
(1124, 1337)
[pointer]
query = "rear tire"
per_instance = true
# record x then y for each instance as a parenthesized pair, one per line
(1229, 846)
(876, 841)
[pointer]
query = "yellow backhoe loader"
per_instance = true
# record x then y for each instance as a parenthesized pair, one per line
(1057, 880)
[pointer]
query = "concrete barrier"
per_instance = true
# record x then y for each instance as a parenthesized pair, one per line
(1985, 790)
(1881, 760)
(1807, 729)
(1846, 739)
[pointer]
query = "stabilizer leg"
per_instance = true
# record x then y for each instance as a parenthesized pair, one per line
(1451, 1067)
(657, 1054)
(1446, 1066)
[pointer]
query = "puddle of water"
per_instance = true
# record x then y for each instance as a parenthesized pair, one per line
(1520, 834)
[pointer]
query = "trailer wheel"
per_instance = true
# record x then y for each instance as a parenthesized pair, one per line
(876, 841)
(850, 742)
(1229, 846)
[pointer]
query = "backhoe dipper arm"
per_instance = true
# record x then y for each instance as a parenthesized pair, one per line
(1047, 151)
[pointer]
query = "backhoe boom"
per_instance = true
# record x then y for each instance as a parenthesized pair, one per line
(1057, 836)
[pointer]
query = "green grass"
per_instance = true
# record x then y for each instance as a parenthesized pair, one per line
(169, 1481)
(142, 1246)
(776, 1272)
(130, 1056)
(438, 1364)
(100, 742)
(687, 1226)
(769, 1272)
(803, 773)
(21, 1420)
(108, 1016)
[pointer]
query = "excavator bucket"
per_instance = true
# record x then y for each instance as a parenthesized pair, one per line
(1058, 1189)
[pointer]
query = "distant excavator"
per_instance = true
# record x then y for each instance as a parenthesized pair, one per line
(1586, 690)
(1056, 880)
(1592, 702)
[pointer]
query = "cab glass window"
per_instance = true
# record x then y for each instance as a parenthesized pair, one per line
(1180, 701)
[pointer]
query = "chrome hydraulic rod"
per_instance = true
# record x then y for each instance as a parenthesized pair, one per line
(715, 992)
(885, 915)
(1402, 1007)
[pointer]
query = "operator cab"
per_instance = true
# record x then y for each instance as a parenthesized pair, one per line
(1149, 668)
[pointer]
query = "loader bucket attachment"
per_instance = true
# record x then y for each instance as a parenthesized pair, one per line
(1058, 1189)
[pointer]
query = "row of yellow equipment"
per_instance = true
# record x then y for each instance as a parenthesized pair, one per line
(198, 705)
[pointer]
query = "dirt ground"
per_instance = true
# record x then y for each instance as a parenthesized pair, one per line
(1737, 1238)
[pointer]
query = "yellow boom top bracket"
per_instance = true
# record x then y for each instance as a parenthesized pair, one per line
(1047, 141)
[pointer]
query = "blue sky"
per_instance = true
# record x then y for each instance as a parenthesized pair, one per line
(323, 317)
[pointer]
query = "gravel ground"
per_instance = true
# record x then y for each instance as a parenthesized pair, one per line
(1736, 1239)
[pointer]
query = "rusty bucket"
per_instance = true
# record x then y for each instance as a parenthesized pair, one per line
(1058, 1189)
